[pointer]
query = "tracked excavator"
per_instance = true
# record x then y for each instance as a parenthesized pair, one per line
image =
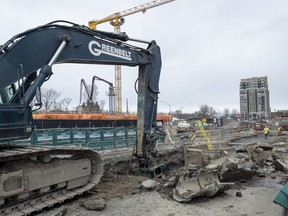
(35, 177)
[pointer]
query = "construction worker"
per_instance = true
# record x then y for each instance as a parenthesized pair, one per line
(266, 132)
(279, 130)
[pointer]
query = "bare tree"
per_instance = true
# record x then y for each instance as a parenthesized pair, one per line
(234, 113)
(49, 98)
(226, 112)
(64, 104)
(178, 112)
(91, 106)
(90, 92)
(206, 111)
(102, 104)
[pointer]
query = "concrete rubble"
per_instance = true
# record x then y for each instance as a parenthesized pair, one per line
(281, 166)
(206, 184)
(149, 184)
(95, 204)
(240, 163)
(61, 212)
(235, 166)
(281, 158)
(208, 173)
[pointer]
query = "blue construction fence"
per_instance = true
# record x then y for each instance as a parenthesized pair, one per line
(96, 138)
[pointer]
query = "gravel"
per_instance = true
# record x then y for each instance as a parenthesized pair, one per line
(254, 201)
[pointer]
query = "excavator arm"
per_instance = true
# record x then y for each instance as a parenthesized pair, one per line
(26, 62)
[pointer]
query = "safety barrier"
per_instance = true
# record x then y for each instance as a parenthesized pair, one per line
(96, 138)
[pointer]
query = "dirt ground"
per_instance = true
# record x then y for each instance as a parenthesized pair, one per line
(124, 195)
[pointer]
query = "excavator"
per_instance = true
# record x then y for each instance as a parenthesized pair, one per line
(36, 177)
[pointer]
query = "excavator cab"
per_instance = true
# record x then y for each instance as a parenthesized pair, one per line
(16, 122)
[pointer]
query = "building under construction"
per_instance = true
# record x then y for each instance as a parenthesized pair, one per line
(254, 99)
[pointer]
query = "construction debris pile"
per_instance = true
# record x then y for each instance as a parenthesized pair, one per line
(212, 172)
(206, 173)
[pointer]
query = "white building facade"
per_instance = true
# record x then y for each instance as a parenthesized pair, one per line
(254, 99)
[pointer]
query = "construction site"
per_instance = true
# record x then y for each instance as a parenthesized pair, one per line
(55, 161)
(220, 172)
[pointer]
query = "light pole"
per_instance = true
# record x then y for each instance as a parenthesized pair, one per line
(181, 108)
(168, 105)
(169, 111)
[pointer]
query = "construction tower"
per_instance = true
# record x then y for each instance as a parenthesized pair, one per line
(117, 20)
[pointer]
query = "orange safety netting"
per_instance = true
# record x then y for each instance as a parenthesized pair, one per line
(164, 118)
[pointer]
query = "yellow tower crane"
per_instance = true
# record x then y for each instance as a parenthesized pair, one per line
(117, 20)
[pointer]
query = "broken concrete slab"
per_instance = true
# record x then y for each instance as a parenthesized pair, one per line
(171, 182)
(260, 153)
(266, 146)
(94, 204)
(233, 169)
(206, 184)
(260, 172)
(149, 184)
(279, 165)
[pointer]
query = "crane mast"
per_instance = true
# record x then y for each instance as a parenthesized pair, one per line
(117, 20)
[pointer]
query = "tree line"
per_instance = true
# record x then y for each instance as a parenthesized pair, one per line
(206, 111)
(52, 102)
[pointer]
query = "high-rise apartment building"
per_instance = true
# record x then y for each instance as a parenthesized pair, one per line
(254, 98)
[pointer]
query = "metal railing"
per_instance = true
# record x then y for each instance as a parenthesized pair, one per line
(96, 138)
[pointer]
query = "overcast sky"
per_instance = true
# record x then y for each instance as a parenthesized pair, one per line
(207, 47)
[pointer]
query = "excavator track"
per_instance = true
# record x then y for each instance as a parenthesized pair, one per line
(33, 178)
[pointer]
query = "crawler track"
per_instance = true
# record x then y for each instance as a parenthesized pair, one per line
(28, 201)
